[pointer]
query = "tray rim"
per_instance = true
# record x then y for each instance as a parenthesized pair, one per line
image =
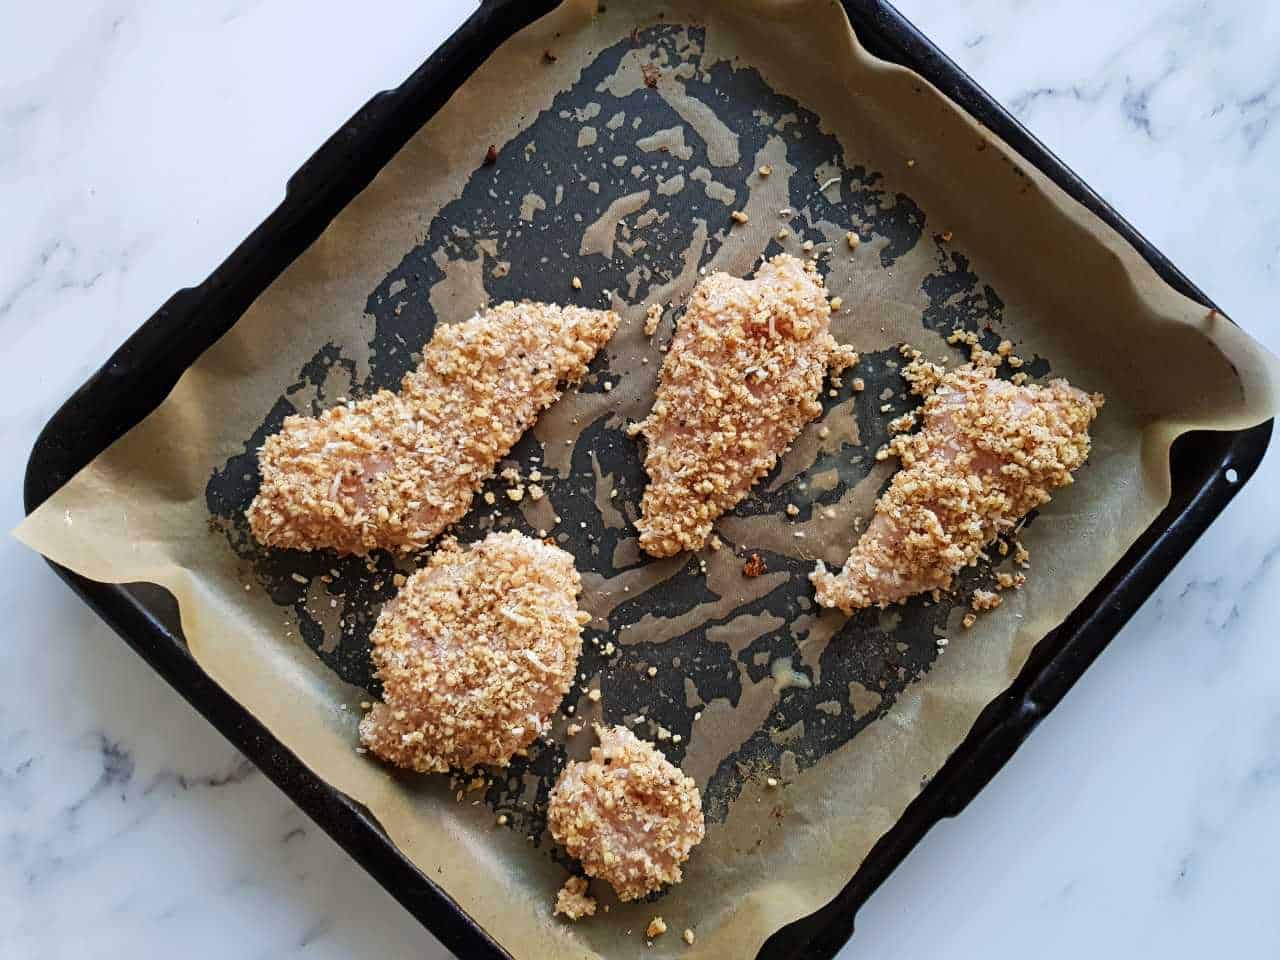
(180, 330)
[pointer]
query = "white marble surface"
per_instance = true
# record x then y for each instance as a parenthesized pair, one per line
(140, 141)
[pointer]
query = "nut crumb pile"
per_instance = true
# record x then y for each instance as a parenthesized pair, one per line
(740, 381)
(990, 451)
(394, 470)
(628, 814)
(474, 654)
(573, 902)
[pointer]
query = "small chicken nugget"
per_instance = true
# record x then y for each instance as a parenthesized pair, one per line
(628, 814)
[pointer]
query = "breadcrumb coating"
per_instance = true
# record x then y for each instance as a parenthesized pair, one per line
(394, 470)
(741, 379)
(474, 654)
(628, 814)
(989, 452)
(573, 902)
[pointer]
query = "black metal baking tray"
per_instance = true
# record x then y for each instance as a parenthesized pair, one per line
(142, 372)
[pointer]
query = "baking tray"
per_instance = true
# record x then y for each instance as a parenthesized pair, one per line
(145, 368)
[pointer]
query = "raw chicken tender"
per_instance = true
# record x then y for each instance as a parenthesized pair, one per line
(394, 470)
(989, 452)
(740, 381)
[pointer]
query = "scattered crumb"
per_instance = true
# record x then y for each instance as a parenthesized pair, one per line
(657, 927)
(793, 510)
(986, 600)
(594, 695)
(852, 239)
(577, 283)
(491, 156)
(837, 303)
(573, 902)
(911, 163)
(771, 782)
(688, 937)
(755, 566)
(714, 543)
(858, 385)
(766, 169)
(783, 233)
(652, 316)
(536, 492)
(903, 423)
(502, 820)
(739, 216)
(1010, 581)
(652, 671)
(807, 246)
(1020, 554)
(946, 236)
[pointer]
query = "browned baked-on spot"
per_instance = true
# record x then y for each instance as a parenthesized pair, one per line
(650, 73)
(491, 156)
(548, 56)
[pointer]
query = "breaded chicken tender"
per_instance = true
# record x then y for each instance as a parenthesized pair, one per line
(394, 470)
(988, 453)
(628, 814)
(474, 654)
(740, 381)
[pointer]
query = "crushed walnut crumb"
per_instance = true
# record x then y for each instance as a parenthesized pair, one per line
(573, 902)
(652, 317)
(985, 600)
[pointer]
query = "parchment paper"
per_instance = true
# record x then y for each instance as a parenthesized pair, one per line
(620, 162)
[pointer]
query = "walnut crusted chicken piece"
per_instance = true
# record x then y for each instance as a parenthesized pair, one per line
(989, 452)
(740, 381)
(474, 654)
(394, 470)
(628, 814)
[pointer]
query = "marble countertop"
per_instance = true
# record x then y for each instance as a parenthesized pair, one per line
(139, 143)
